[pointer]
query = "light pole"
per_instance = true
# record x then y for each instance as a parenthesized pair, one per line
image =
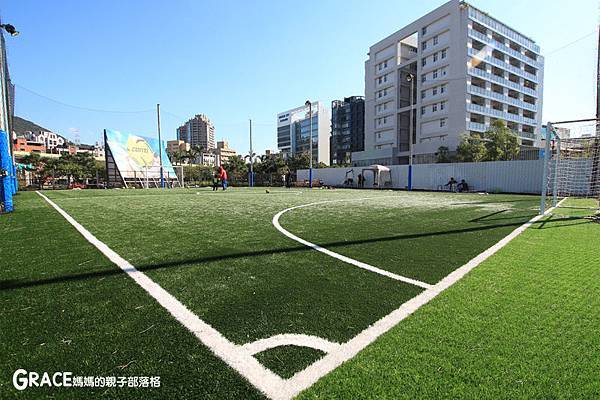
(310, 141)
(10, 29)
(410, 78)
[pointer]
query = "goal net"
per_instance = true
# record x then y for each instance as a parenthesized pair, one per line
(573, 165)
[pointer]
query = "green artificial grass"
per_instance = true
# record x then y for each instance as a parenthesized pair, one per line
(524, 324)
(285, 361)
(103, 325)
(219, 254)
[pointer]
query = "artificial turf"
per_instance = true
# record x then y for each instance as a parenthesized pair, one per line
(100, 325)
(219, 254)
(524, 324)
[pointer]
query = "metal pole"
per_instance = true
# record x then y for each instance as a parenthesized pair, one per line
(545, 172)
(182, 178)
(410, 134)
(160, 148)
(555, 177)
(310, 165)
(251, 180)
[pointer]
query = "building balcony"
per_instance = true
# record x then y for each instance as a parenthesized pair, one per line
(502, 81)
(502, 29)
(503, 65)
(502, 47)
(500, 97)
(500, 114)
(477, 127)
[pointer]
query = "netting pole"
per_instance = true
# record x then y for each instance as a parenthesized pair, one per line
(555, 177)
(545, 171)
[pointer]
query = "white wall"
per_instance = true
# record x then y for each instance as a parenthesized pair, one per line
(496, 176)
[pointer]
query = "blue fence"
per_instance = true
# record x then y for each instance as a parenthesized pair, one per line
(8, 174)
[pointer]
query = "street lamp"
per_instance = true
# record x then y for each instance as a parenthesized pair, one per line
(10, 29)
(410, 79)
(310, 165)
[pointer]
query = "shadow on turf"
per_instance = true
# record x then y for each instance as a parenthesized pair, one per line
(10, 284)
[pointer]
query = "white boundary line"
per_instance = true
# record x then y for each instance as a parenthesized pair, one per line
(292, 339)
(306, 378)
(240, 358)
(339, 256)
(235, 356)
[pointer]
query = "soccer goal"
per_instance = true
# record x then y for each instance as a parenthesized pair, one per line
(572, 165)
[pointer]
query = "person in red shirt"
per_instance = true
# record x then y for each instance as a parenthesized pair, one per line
(223, 177)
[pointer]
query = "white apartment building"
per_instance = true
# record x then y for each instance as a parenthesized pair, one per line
(469, 70)
(293, 131)
(49, 139)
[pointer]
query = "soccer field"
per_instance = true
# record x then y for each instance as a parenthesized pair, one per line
(235, 294)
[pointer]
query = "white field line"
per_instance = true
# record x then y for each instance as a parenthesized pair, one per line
(340, 257)
(240, 358)
(235, 356)
(290, 339)
(306, 378)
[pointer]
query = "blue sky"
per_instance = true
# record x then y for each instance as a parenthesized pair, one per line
(240, 60)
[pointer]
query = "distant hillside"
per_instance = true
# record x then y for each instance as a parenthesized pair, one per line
(21, 125)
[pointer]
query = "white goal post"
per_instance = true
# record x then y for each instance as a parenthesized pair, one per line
(572, 163)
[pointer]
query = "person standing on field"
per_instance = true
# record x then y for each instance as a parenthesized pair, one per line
(223, 177)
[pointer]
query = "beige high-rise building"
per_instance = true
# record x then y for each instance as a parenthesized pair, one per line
(198, 131)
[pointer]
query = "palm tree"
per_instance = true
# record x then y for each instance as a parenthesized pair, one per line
(194, 152)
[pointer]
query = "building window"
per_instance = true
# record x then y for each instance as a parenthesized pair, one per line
(442, 122)
(424, 46)
(434, 108)
(385, 64)
(442, 105)
(423, 94)
(444, 53)
(424, 31)
(435, 74)
(423, 78)
(442, 89)
(435, 40)
(423, 61)
(435, 57)
(422, 110)
(434, 91)
(444, 72)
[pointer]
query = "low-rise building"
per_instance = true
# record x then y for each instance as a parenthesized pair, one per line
(22, 144)
(224, 152)
(173, 146)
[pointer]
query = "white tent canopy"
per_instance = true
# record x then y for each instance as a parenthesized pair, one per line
(382, 176)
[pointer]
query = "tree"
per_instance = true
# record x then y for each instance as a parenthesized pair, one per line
(194, 152)
(177, 157)
(443, 155)
(298, 161)
(470, 148)
(501, 143)
(236, 166)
